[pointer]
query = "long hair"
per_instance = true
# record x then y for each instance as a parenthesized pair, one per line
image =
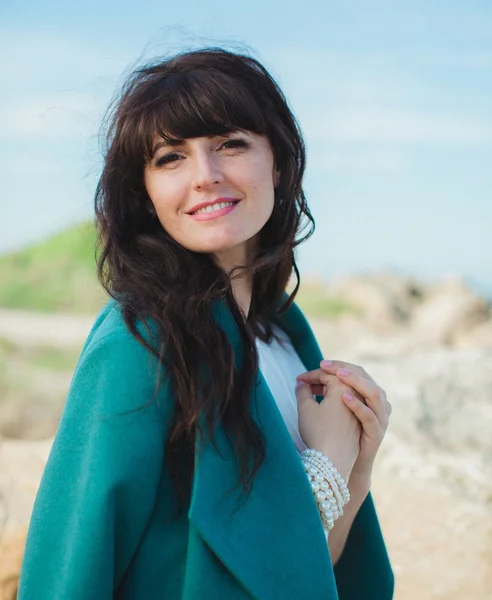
(200, 93)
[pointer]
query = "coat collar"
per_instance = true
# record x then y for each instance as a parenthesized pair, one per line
(274, 544)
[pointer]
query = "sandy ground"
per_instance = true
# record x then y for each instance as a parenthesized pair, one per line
(36, 329)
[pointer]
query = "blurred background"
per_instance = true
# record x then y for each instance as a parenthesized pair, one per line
(395, 101)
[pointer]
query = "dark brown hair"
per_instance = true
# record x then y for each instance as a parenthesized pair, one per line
(206, 92)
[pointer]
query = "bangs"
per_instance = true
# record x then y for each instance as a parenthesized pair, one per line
(193, 104)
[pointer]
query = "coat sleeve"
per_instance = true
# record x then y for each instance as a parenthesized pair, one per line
(99, 486)
(363, 571)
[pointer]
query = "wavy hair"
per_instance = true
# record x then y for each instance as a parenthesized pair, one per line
(205, 92)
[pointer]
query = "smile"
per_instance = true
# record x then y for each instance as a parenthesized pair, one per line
(213, 211)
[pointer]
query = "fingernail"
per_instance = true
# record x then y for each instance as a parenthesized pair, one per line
(348, 396)
(343, 372)
(299, 382)
(326, 363)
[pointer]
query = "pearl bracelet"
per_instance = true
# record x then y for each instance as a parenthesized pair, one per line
(327, 503)
(338, 502)
(337, 484)
(329, 487)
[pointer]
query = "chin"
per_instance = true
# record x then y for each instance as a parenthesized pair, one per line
(218, 246)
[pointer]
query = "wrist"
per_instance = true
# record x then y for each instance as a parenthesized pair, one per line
(362, 471)
(339, 462)
(359, 484)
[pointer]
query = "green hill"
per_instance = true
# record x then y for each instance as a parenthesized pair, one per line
(56, 275)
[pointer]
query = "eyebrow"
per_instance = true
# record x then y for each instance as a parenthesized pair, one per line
(174, 142)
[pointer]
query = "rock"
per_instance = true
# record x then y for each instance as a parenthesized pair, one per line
(455, 405)
(385, 300)
(440, 543)
(11, 553)
(21, 466)
(449, 311)
(479, 336)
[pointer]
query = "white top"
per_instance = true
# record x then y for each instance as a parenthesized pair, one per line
(280, 366)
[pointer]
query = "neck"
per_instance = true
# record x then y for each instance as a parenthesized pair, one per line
(242, 290)
(241, 282)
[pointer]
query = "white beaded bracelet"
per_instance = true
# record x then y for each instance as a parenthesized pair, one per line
(329, 509)
(317, 457)
(328, 512)
(340, 490)
(334, 478)
(329, 487)
(324, 495)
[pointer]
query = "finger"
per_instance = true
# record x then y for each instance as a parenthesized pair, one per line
(366, 416)
(389, 408)
(318, 390)
(316, 377)
(327, 381)
(332, 366)
(375, 396)
(305, 399)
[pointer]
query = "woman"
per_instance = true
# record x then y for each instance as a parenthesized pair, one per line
(176, 470)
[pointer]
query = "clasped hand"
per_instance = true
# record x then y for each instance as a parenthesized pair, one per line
(349, 424)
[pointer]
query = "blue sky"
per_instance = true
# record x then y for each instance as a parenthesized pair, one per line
(394, 98)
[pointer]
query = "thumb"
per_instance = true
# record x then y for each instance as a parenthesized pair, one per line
(305, 398)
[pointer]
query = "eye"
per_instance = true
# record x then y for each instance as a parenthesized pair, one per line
(234, 143)
(172, 157)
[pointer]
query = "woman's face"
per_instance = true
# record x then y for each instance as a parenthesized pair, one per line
(213, 194)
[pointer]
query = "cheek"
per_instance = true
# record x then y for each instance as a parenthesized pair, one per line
(164, 195)
(259, 178)
(265, 191)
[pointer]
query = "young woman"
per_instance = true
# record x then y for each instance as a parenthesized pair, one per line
(179, 467)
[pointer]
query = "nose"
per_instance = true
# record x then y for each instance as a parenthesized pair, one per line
(206, 171)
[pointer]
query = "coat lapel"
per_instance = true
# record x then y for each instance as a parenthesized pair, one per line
(274, 543)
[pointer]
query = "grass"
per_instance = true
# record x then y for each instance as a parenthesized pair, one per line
(316, 302)
(57, 275)
(45, 358)
(54, 359)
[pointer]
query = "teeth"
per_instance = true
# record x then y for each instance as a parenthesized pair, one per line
(213, 207)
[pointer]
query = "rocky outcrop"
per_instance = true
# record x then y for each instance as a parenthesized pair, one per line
(444, 313)
(384, 301)
(449, 313)
(21, 467)
(11, 552)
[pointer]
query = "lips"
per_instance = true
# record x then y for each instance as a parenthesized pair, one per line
(217, 201)
(215, 213)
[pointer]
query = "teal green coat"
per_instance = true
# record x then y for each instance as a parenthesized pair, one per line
(99, 527)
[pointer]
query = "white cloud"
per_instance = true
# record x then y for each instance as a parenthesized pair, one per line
(32, 59)
(58, 87)
(62, 116)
